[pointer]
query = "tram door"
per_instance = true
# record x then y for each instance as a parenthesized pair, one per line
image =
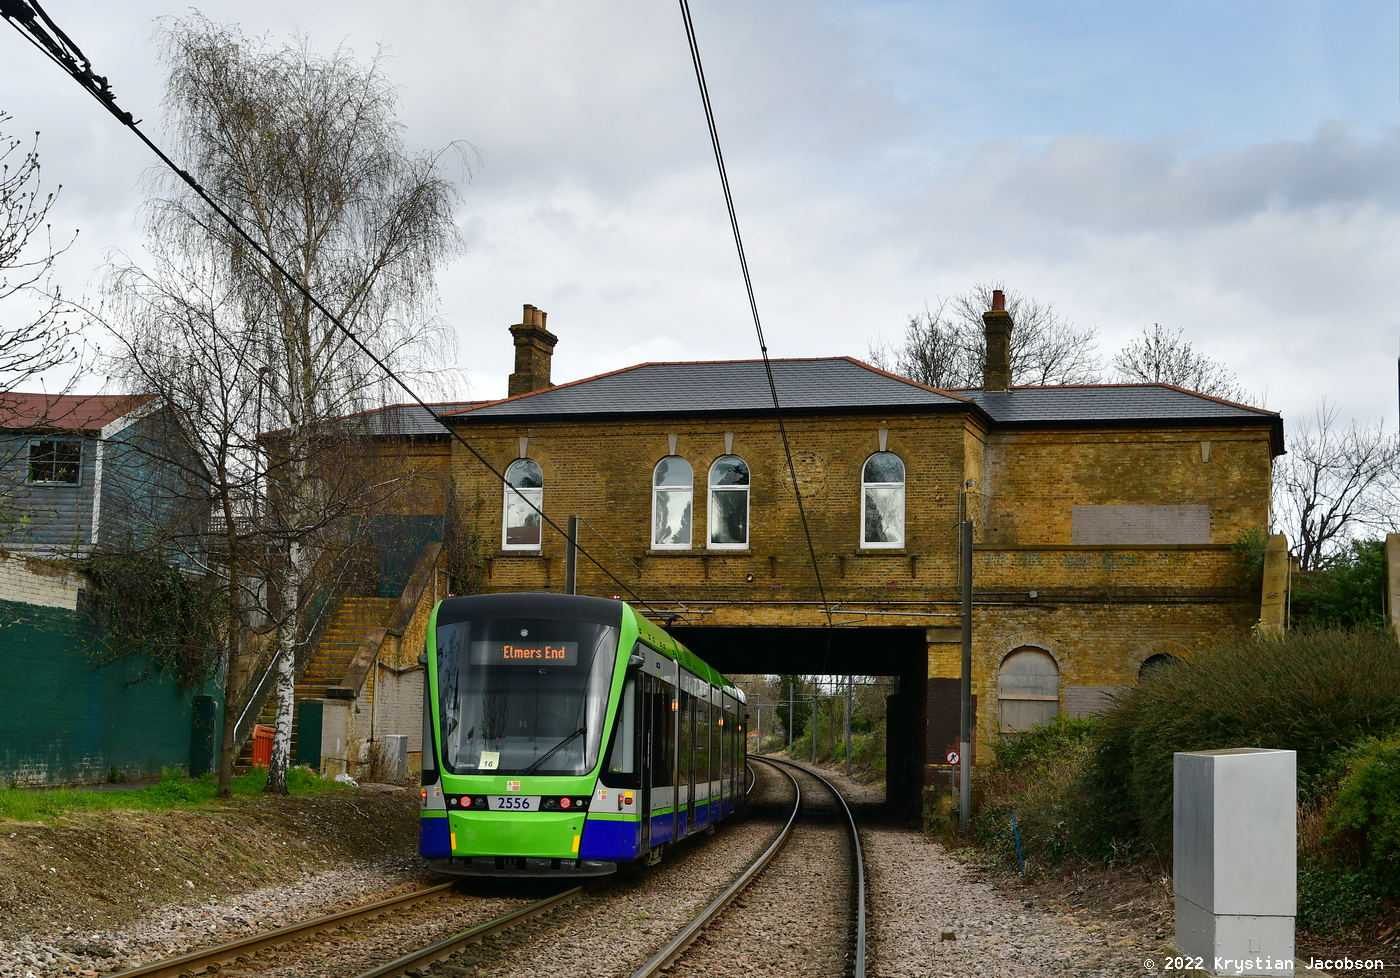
(685, 764)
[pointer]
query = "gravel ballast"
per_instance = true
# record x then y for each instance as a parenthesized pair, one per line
(929, 914)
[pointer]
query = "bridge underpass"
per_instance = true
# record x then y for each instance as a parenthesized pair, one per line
(899, 652)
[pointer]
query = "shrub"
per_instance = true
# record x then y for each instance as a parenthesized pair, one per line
(1350, 591)
(1315, 692)
(1336, 901)
(1364, 818)
(1046, 777)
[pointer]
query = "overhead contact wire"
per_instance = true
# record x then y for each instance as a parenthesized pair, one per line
(24, 16)
(753, 305)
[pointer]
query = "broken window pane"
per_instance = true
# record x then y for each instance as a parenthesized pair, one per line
(55, 461)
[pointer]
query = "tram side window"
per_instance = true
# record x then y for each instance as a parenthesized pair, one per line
(722, 740)
(663, 731)
(702, 741)
(686, 744)
(716, 743)
(621, 769)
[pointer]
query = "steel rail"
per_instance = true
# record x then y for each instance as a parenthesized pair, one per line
(668, 955)
(196, 961)
(859, 867)
(443, 949)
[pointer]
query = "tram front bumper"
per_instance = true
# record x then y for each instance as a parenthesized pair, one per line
(533, 835)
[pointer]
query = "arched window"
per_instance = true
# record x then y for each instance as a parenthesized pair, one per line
(672, 498)
(729, 503)
(521, 524)
(882, 501)
(1153, 663)
(1028, 689)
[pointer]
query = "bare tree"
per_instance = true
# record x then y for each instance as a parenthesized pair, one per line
(180, 334)
(945, 346)
(36, 331)
(36, 335)
(1333, 481)
(1160, 356)
(305, 151)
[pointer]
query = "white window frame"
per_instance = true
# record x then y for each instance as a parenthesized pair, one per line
(655, 495)
(903, 504)
(711, 522)
(535, 496)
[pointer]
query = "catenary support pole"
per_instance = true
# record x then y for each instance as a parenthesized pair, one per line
(814, 723)
(758, 728)
(571, 558)
(850, 686)
(965, 679)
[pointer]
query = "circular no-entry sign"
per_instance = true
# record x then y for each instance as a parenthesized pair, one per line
(954, 757)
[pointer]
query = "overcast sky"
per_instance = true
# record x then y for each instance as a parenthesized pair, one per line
(1232, 169)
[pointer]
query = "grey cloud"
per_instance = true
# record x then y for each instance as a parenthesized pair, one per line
(1095, 181)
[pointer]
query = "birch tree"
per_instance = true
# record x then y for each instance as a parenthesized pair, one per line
(306, 152)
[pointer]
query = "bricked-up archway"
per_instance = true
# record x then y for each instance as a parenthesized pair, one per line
(853, 651)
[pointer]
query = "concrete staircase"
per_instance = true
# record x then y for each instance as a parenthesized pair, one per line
(352, 622)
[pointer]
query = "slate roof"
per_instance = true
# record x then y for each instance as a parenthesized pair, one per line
(1080, 405)
(1106, 402)
(826, 385)
(408, 419)
(65, 412)
(846, 385)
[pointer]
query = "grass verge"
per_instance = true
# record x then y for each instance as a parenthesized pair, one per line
(174, 790)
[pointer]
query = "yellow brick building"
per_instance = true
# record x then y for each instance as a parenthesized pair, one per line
(1104, 517)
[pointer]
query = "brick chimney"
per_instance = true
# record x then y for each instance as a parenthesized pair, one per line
(996, 373)
(534, 351)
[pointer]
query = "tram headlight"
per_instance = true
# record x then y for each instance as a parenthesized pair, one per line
(565, 802)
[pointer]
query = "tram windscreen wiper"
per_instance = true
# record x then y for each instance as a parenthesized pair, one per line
(554, 750)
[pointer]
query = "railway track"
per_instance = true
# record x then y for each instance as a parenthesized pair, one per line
(216, 957)
(531, 921)
(726, 954)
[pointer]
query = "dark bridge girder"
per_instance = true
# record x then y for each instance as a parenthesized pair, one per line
(856, 651)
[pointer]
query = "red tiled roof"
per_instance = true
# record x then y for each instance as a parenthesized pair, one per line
(66, 412)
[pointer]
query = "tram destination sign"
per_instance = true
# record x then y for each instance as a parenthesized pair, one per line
(525, 653)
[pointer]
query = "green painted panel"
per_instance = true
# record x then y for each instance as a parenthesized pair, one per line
(545, 835)
(309, 716)
(61, 721)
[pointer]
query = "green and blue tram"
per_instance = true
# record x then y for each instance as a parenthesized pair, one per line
(564, 735)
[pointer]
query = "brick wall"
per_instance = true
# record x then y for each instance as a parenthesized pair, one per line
(1099, 610)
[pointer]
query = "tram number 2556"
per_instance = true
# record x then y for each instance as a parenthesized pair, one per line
(512, 803)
